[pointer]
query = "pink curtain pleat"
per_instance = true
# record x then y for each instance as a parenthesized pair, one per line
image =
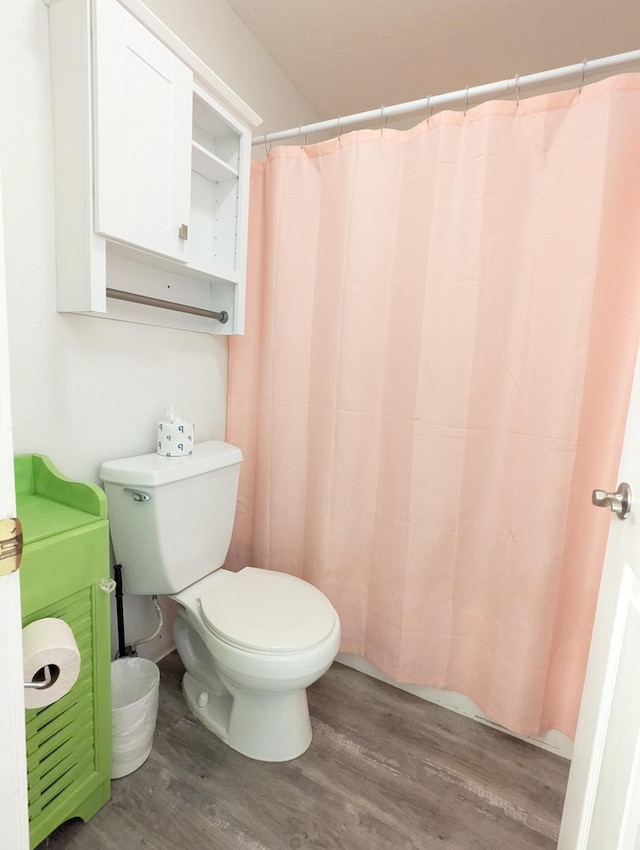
(441, 334)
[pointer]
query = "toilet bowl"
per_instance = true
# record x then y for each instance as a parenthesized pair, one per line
(252, 641)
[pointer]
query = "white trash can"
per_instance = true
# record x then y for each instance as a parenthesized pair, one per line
(135, 683)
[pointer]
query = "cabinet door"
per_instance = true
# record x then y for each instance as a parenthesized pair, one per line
(142, 154)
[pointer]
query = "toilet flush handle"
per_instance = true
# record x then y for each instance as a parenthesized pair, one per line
(138, 495)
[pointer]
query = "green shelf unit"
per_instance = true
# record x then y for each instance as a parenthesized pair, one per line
(65, 565)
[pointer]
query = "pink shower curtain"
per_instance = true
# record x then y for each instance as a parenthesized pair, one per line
(442, 330)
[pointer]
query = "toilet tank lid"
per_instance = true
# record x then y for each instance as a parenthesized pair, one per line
(152, 470)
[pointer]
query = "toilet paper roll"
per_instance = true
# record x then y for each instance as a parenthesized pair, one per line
(49, 642)
(175, 439)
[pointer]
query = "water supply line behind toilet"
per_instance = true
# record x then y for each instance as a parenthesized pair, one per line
(125, 650)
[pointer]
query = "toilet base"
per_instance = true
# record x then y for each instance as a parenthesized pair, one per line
(263, 726)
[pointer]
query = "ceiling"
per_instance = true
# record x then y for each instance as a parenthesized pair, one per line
(347, 56)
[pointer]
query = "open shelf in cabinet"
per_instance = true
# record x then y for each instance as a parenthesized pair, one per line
(219, 156)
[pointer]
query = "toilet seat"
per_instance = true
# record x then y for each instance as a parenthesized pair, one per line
(267, 611)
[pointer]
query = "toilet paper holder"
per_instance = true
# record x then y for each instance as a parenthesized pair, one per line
(41, 684)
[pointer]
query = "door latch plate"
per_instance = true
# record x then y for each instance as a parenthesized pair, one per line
(10, 545)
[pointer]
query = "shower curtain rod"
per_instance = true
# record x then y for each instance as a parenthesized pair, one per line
(515, 84)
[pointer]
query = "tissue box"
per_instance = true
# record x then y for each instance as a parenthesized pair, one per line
(175, 439)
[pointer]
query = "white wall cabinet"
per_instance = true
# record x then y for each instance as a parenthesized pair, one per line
(152, 162)
(142, 105)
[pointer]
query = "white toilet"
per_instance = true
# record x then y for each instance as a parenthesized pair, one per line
(251, 642)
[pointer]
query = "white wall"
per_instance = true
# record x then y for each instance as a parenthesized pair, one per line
(86, 389)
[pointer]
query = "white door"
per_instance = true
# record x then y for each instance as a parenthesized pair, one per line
(602, 806)
(143, 97)
(13, 780)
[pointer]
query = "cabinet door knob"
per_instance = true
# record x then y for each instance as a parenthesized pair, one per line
(183, 233)
(107, 585)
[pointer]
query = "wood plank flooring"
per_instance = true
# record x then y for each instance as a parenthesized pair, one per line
(385, 771)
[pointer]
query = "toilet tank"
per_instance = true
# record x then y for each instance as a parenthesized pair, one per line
(171, 518)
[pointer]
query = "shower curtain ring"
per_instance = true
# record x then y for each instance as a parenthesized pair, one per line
(584, 70)
(466, 101)
(429, 109)
(383, 119)
(517, 85)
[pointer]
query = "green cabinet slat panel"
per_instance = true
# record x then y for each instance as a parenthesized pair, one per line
(44, 727)
(53, 786)
(65, 557)
(58, 791)
(56, 740)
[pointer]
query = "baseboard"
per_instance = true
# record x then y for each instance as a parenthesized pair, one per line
(552, 741)
(160, 652)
